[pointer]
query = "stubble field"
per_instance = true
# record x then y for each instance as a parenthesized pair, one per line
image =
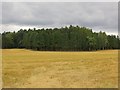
(43, 69)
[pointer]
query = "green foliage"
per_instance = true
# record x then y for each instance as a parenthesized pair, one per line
(72, 38)
(91, 43)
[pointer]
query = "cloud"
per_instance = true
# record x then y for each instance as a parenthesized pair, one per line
(56, 14)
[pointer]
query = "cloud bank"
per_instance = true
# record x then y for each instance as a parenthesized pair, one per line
(98, 16)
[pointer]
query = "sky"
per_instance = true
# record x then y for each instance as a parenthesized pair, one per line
(99, 16)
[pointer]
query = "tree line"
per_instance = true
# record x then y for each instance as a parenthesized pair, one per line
(72, 38)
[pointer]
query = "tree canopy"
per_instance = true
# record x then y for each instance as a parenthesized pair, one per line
(72, 38)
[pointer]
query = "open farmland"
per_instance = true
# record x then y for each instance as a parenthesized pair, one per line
(44, 69)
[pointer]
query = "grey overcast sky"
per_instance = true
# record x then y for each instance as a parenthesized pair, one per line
(100, 16)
